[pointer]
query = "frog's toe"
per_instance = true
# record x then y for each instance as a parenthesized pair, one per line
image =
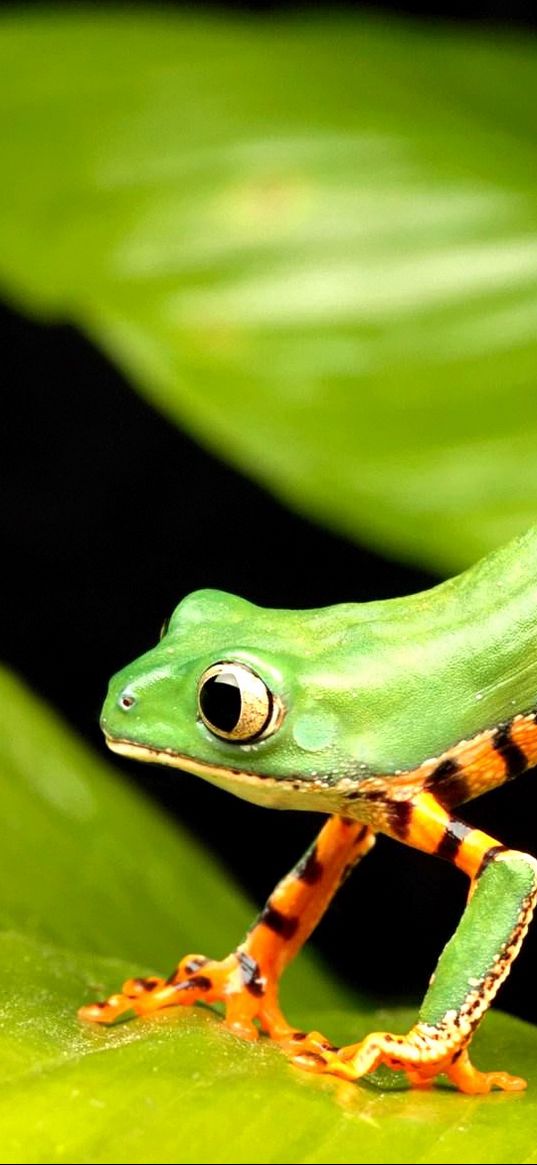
(324, 1059)
(356, 1060)
(188, 966)
(469, 1079)
(107, 1011)
(302, 1046)
(134, 988)
(141, 996)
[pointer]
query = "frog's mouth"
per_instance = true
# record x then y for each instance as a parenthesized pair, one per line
(275, 792)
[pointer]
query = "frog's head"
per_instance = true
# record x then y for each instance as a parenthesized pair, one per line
(225, 694)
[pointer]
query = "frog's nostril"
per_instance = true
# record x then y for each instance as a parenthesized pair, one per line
(126, 702)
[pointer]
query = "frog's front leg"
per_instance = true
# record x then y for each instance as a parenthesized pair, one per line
(473, 965)
(247, 981)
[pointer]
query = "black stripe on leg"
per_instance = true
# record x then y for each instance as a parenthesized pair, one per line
(444, 769)
(513, 756)
(278, 922)
(251, 975)
(309, 868)
(450, 844)
(399, 815)
(448, 783)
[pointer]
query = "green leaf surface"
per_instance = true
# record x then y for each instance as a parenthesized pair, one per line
(177, 1087)
(96, 885)
(311, 241)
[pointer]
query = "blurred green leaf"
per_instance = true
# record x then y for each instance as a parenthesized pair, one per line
(88, 867)
(312, 242)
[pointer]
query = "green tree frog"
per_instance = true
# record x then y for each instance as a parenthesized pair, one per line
(384, 716)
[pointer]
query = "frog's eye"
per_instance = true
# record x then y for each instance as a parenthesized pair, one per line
(235, 703)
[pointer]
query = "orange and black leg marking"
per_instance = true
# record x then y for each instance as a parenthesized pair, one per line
(473, 965)
(247, 980)
(463, 772)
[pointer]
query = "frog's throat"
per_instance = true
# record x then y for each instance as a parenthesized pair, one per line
(278, 793)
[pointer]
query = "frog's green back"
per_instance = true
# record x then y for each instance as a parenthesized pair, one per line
(435, 668)
(369, 687)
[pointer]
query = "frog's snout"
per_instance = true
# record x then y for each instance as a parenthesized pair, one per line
(114, 708)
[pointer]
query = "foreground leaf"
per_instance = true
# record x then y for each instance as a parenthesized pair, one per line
(312, 242)
(179, 1088)
(88, 866)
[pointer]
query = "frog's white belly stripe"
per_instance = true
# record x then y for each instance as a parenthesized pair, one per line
(278, 794)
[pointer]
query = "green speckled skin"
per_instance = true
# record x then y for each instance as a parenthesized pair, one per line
(486, 925)
(368, 687)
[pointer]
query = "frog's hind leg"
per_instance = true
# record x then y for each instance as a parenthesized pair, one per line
(247, 981)
(473, 965)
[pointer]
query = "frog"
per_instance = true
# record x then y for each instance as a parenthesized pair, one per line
(384, 716)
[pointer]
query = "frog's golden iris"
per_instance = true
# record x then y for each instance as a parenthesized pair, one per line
(235, 703)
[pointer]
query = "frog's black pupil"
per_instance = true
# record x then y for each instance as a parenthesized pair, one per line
(220, 701)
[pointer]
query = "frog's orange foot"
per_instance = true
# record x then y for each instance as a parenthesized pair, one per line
(410, 1054)
(469, 1079)
(196, 978)
(349, 1063)
(249, 997)
(306, 1046)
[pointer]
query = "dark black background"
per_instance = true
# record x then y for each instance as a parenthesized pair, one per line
(85, 467)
